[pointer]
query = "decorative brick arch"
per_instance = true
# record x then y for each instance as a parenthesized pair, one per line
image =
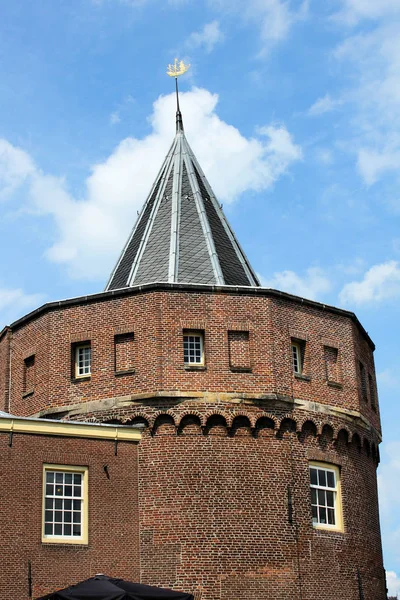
(342, 433)
(216, 416)
(288, 423)
(136, 416)
(267, 416)
(307, 427)
(158, 417)
(189, 418)
(190, 413)
(222, 413)
(252, 418)
(356, 440)
(327, 430)
(240, 421)
(366, 444)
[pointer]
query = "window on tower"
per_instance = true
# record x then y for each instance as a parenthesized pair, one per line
(298, 351)
(193, 348)
(81, 360)
(325, 496)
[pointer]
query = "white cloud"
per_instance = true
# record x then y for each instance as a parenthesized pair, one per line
(388, 378)
(353, 11)
(393, 583)
(115, 118)
(140, 3)
(15, 302)
(380, 282)
(15, 166)
(324, 156)
(352, 267)
(207, 37)
(274, 18)
(90, 231)
(374, 60)
(372, 163)
(312, 285)
(323, 105)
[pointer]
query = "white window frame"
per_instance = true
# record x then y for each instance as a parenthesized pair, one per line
(195, 334)
(77, 349)
(297, 355)
(337, 497)
(66, 539)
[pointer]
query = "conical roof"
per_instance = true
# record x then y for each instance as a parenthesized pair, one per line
(181, 234)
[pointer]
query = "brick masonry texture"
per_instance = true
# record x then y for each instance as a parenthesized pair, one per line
(222, 449)
(157, 320)
(113, 546)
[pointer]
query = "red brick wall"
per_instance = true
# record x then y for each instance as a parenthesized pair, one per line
(157, 320)
(214, 516)
(113, 514)
(212, 509)
(213, 475)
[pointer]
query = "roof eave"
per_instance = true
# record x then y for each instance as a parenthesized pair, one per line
(187, 287)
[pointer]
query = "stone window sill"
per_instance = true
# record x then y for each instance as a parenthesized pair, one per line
(195, 368)
(64, 545)
(78, 379)
(335, 384)
(125, 372)
(241, 369)
(302, 377)
(28, 393)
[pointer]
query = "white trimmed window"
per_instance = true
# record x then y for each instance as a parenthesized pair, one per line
(297, 356)
(83, 360)
(325, 496)
(193, 348)
(65, 504)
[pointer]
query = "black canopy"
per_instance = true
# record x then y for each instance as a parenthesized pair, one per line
(102, 587)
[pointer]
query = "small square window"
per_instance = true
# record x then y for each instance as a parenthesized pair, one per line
(298, 351)
(82, 356)
(65, 504)
(326, 506)
(193, 348)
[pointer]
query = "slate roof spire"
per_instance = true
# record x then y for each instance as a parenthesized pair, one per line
(181, 234)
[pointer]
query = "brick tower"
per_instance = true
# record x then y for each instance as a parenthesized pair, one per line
(255, 477)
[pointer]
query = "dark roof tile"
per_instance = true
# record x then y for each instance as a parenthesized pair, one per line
(182, 235)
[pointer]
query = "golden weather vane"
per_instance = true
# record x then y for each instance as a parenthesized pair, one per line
(177, 69)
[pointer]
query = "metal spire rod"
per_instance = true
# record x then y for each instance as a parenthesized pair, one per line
(175, 70)
(179, 121)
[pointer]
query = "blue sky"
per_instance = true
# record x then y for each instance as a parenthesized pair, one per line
(293, 110)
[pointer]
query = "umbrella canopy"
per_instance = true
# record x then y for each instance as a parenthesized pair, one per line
(102, 587)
